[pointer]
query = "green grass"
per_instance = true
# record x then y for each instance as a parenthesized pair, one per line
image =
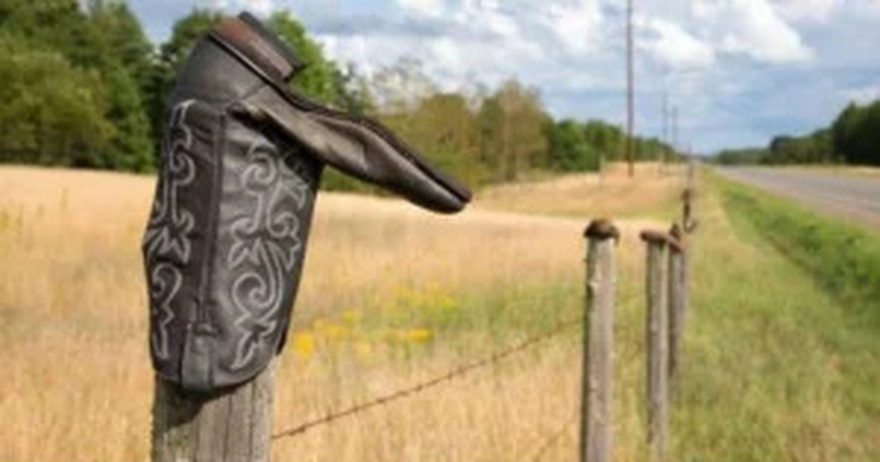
(782, 360)
(843, 257)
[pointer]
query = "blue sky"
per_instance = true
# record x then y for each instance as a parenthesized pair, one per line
(740, 71)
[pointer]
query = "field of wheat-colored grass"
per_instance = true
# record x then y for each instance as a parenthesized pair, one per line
(390, 295)
(612, 193)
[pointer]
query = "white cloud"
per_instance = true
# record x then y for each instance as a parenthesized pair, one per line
(752, 28)
(862, 95)
(490, 39)
(577, 27)
(425, 7)
(259, 7)
(870, 8)
(807, 10)
(488, 16)
(677, 48)
(711, 56)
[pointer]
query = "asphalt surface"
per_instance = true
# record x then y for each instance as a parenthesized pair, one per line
(845, 195)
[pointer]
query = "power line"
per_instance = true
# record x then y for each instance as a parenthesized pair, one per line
(665, 111)
(554, 438)
(431, 383)
(675, 128)
(665, 135)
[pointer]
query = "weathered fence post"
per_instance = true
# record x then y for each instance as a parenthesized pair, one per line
(688, 223)
(678, 300)
(596, 396)
(231, 426)
(688, 196)
(657, 343)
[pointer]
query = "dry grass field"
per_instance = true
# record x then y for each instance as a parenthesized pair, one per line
(391, 295)
(611, 194)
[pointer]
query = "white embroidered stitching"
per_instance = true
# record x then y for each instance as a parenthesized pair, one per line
(266, 247)
(169, 228)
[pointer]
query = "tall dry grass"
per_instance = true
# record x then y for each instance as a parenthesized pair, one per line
(612, 193)
(390, 295)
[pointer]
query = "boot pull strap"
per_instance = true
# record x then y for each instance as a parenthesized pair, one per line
(249, 37)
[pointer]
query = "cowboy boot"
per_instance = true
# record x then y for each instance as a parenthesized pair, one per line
(242, 156)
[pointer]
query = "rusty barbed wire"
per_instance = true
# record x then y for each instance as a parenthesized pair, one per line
(428, 384)
(554, 438)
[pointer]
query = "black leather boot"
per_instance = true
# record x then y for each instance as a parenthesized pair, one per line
(241, 163)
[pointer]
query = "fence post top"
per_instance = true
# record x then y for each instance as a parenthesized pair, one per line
(659, 238)
(602, 229)
(676, 238)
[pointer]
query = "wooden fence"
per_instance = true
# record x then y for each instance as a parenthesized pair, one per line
(235, 425)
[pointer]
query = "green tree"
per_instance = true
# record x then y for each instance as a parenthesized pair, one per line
(742, 156)
(125, 63)
(318, 79)
(606, 138)
(816, 147)
(856, 134)
(490, 126)
(570, 149)
(132, 147)
(52, 113)
(106, 39)
(512, 122)
(124, 57)
(124, 40)
(353, 91)
(59, 25)
(445, 129)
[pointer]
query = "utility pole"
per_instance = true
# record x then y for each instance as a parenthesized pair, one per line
(665, 117)
(675, 128)
(630, 91)
(665, 135)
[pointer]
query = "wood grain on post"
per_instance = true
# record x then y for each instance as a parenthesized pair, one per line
(657, 343)
(232, 426)
(596, 438)
(688, 222)
(677, 303)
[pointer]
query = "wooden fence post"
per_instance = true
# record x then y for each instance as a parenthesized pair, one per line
(678, 299)
(596, 390)
(657, 344)
(688, 196)
(687, 220)
(231, 426)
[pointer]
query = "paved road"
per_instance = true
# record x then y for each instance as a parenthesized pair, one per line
(850, 196)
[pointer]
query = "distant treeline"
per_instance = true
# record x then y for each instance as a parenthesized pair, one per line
(84, 87)
(853, 138)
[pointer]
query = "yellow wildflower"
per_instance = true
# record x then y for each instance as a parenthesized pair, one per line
(415, 335)
(304, 344)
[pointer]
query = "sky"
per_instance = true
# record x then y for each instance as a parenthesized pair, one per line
(738, 71)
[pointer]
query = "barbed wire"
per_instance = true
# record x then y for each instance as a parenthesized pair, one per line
(554, 438)
(431, 383)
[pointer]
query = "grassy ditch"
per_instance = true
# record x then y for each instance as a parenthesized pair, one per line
(782, 357)
(844, 258)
